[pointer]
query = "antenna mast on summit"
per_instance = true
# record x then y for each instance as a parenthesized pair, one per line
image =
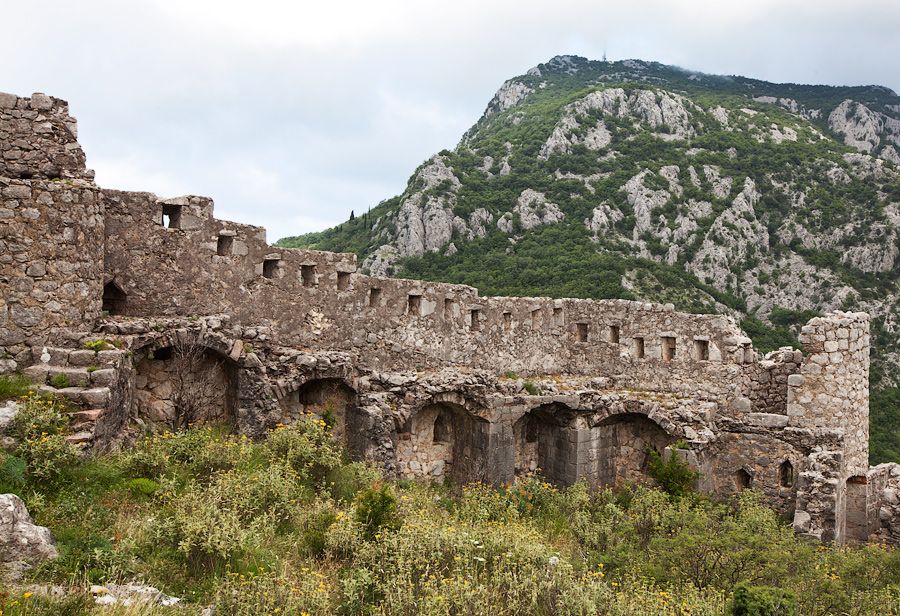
(604, 56)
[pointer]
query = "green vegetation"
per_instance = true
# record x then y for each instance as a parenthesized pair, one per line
(287, 526)
(14, 386)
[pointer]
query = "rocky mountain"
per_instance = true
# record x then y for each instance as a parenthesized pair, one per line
(770, 202)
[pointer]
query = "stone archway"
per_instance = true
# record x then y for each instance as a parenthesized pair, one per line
(443, 440)
(185, 384)
(546, 441)
(620, 447)
(331, 399)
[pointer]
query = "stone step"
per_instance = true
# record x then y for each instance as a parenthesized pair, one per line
(58, 356)
(92, 397)
(79, 438)
(90, 415)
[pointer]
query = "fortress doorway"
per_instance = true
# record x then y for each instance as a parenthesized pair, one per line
(622, 445)
(114, 298)
(330, 399)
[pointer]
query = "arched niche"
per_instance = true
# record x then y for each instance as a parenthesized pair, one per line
(443, 440)
(620, 447)
(331, 399)
(186, 384)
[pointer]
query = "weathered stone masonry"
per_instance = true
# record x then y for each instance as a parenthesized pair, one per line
(151, 313)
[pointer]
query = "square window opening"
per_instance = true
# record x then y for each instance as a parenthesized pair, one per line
(475, 319)
(171, 216)
(581, 332)
(614, 334)
(343, 281)
(638, 347)
(308, 275)
(701, 350)
(224, 246)
(374, 297)
(270, 268)
(414, 305)
(668, 348)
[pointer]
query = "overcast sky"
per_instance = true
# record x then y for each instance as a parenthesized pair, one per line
(290, 114)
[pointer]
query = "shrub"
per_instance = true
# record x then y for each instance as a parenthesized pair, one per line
(142, 487)
(214, 524)
(762, 601)
(98, 345)
(60, 381)
(376, 510)
(47, 456)
(14, 386)
(38, 415)
(346, 481)
(531, 388)
(674, 476)
(306, 446)
(12, 473)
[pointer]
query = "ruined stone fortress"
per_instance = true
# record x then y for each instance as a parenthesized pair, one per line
(150, 314)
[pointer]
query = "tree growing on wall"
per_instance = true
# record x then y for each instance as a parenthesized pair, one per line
(193, 383)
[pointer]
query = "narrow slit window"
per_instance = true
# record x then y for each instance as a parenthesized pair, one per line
(225, 245)
(343, 281)
(638, 347)
(668, 348)
(308, 275)
(614, 334)
(475, 319)
(581, 332)
(270, 268)
(701, 350)
(374, 297)
(171, 216)
(507, 321)
(414, 305)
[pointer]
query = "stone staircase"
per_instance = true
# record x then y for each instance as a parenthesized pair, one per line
(83, 377)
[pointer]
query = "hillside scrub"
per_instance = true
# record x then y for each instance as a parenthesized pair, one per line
(286, 525)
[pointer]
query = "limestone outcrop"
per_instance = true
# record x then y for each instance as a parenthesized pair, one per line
(22, 541)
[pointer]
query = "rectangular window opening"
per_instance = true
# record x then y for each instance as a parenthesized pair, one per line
(475, 319)
(507, 321)
(557, 317)
(270, 267)
(343, 281)
(374, 297)
(171, 216)
(224, 245)
(581, 332)
(414, 305)
(448, 308)
(614, 334)
(536, 319)
(308, 275)
(701, 350)
(638, 347)
(668, 348)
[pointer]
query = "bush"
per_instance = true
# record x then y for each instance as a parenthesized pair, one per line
(376, 511)
(14, 386)
(762, 601)
(306, 446)
(142, 487)
(211, 525)
(39, 415)
(60, 381)
(674, 476)
(47, 456)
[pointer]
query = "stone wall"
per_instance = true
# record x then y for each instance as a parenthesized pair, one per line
(39, 139)
(317, 300)
(51, 262)
(51, 228)
(832, 387)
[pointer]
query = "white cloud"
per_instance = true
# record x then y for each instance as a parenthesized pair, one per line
(290, 114)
